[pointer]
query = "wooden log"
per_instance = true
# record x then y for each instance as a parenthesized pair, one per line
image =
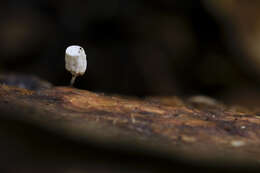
(198, 130)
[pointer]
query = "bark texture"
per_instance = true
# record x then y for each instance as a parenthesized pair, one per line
(194, 131)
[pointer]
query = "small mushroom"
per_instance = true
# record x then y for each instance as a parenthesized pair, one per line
(75, 61)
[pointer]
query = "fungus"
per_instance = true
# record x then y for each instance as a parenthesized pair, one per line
(75, 61)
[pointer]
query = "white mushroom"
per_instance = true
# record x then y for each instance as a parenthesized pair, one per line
(75, 61)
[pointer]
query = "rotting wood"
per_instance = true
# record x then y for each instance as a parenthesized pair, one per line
(171, 126)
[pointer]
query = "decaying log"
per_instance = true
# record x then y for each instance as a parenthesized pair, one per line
(197, 130)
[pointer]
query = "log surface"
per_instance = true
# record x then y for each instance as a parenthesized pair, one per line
(197, 129)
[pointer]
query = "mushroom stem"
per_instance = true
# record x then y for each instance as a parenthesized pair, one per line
(72, 80)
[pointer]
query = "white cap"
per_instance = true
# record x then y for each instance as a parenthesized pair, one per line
(76, 61)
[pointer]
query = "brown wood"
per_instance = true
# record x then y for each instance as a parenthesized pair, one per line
(198, 129)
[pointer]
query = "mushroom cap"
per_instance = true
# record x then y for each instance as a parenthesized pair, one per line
(75, 60)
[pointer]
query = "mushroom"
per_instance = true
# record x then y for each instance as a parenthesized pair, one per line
(75, 61)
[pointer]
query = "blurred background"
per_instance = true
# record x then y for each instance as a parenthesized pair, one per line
(138, 48)
(134, 48)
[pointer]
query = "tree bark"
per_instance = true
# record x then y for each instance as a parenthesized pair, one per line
(198, 130)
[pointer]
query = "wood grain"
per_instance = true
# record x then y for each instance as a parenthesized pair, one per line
(197, 129)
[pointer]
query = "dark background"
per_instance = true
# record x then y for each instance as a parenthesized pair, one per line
(134, 47)
(138, 48)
